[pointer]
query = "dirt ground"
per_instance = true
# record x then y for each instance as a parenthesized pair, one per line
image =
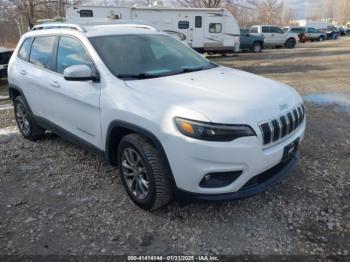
(56, 198)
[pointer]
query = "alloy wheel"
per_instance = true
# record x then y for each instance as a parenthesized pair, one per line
(135, 173)
(22, 119)
(257, 48)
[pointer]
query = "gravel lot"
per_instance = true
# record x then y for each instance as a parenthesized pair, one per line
(56, 198)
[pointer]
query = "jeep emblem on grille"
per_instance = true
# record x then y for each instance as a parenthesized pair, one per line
(283, 106)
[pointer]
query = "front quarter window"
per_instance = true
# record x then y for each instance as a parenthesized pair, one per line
(71, 52)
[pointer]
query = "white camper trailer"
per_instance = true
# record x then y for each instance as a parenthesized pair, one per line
(204, 29)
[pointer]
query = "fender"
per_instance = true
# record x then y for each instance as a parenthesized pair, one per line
(19, 90)
(140, 130)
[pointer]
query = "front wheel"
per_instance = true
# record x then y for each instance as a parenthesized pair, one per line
(321, 38)
(142, 172)
(257, 47)
(291, 43)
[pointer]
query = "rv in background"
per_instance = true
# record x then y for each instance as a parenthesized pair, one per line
(212, 30)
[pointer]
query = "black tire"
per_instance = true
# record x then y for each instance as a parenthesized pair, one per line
(26, 124)
(159, 191)
(291, 43)
(321, 38)
(257, 47)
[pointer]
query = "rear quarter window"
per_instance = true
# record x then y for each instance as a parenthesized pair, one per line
(43, 51)
(24, 51)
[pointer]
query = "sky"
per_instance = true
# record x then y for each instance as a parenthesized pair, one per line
(301, 7)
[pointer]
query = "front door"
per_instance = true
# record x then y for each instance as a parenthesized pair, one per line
(76, 104)
(277, 35)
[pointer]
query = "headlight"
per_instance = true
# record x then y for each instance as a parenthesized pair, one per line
(212, 132)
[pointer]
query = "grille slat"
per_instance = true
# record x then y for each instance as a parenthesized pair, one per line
(296, 118)
(291, 122)
(276, 130)
(279, 128)
(266, 130)
(301, 118)
(284, 125)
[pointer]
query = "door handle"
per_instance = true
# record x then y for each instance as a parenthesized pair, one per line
(55, 84)
(23, 72)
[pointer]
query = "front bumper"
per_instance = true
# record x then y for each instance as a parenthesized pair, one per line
(261, 183)
(191, 160)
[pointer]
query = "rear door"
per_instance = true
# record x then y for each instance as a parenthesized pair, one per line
(38, 75)
(75, 104)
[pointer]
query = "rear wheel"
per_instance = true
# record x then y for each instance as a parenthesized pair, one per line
(291, 43)
(143, 173)
(25, 121)
(321, 38)
(257, 47)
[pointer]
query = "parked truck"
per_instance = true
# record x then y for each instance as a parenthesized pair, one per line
(274, 36)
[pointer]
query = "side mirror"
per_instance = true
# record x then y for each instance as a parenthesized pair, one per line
(79, 73)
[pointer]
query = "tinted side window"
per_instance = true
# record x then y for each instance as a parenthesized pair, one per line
(265, 29)
(276, 30)
(71, 52)
(215, 28)
(297, 30)
(86, 13)
(254, 30)
(25, 49)
(312, 30)
(184, 24)
(198, 22)
(43, 50)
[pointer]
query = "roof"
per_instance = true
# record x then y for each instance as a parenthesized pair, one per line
(147, 8)
(93, 30)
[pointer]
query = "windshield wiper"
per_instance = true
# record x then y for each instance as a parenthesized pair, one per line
(194, 69)
(136, 76)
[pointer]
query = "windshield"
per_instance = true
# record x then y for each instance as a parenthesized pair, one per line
(146, 56)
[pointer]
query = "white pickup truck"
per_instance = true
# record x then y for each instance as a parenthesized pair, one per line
(274, 36)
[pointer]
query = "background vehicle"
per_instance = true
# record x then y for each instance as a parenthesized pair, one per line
(250, 42)
(325, 28)
(274, 36)
(307, 33)
(149, 105)
(204, 29)
(5, 55)
(332, 32)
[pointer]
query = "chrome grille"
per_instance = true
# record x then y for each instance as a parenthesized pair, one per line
(278, 128)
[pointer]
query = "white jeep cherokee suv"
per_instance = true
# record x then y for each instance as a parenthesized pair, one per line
(176, 124)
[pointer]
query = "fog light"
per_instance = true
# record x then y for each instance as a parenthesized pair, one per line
(219, 179)
(207, 177)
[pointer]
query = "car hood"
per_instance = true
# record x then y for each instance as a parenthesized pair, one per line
(223, 95)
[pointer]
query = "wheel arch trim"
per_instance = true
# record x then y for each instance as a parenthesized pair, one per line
(142, 131)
